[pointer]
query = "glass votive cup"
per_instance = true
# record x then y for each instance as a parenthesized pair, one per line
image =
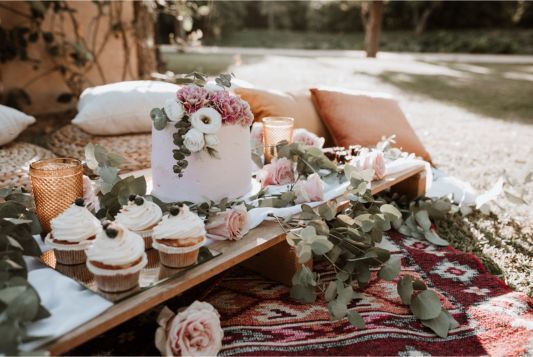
(56, 183)
(276, 129)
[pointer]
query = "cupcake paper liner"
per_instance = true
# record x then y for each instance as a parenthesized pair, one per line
(180, 260)
(117, 283)
(70, 257)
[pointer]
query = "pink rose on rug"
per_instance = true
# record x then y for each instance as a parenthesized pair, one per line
(279, 172)
(230, 224)
(195, 331)
(371, 160)
(90, 195)
(192, 98)
(310, 190)
(230, 107)
(306, 137)
(256, 135)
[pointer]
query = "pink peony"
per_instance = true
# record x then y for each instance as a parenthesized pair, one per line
(195, 331)
(192, 98)
(310, 190)
(256, 135)
(230, 107)
(306, 137)
(371, 160)
(279, 172)
(247, 115)
(90, 195)
(230, 224)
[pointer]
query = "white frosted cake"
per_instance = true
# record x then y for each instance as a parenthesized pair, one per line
(201, 147)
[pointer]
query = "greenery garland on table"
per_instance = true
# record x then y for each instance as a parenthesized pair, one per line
(20, 303)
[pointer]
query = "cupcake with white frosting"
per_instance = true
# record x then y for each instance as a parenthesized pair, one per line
(140, 216)
(178, 237)
(72, 232)
(116, 258)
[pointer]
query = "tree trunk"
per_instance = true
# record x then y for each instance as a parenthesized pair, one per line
(144, 22)
(373, 28)
(422, 21)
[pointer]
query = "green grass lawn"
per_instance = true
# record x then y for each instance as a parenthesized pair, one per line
(464, 41)
(502, 91)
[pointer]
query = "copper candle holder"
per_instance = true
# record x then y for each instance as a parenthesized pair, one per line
(56, 183)
(276, 129)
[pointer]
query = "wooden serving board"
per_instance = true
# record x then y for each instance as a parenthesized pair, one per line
(268, 238)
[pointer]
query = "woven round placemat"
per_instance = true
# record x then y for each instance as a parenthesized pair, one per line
(70, 141)
(15, 160)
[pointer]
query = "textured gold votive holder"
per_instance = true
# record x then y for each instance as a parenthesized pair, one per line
(276, 129)
(56, 183)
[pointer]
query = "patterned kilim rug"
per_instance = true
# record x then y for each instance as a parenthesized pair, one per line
(259, 318)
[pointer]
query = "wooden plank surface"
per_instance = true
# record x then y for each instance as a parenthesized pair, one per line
(263, 237)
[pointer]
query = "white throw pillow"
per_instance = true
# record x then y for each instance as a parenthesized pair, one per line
(122, 107)
(12, 123)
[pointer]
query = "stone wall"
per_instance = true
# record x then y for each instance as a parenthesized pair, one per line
(117, 58)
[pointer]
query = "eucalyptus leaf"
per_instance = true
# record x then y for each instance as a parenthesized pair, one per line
(440, 324)
(422, 218)
(321, 246)
(390, 270)
(331, 291)
(391, 210)
(25, 307)
(405, 289)
(303, 294)
(355, 319)
(337, 309)
(426, 305)
(432, 237)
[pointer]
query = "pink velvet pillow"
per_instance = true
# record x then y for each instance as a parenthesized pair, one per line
(358, 119)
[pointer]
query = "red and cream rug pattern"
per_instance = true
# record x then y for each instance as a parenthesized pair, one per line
(259, 318)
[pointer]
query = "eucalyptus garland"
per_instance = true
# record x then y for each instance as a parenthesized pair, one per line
(347, 238)
(20, 303)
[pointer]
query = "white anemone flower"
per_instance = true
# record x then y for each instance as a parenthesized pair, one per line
(211, 140)
(194, 140)
(173, 110)
(206, 120)
(213, 87)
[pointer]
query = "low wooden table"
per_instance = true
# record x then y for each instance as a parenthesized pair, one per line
(257, 248)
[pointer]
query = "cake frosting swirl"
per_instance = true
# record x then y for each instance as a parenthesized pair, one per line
(185, 225)
(126, 248)
(75, 225)
(139, 217)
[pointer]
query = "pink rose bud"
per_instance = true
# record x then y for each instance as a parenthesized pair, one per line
(310, 190)
(195, 331)
(279, 172)
(230, 224)
(371, 160)
(306, 137)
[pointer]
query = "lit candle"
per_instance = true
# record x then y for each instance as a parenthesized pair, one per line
(276, 129)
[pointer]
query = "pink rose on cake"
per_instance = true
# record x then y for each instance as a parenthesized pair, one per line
(371, 160)
(192, 98)
(230, 224)
(279, 172)
(310, 190)
(195, 331)
(306, 137)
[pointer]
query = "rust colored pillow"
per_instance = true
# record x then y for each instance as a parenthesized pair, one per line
(359, 119)
(297, 105)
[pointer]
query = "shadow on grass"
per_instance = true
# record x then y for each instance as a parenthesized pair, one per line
(501, 91)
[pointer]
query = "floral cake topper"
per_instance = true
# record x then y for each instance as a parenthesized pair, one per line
(198, 112)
